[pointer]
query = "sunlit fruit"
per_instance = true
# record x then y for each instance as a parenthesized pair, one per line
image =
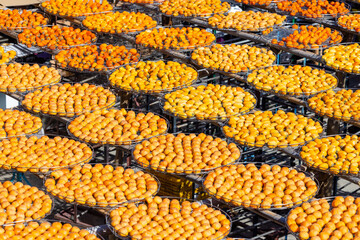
(42, 154)
(326, 218)
(185, 153)
(260, 186)
(69, 100)
(343, 57)
(342, 104)
(19, 19)
(167, 218)
(16, 77)
(20, 203)
(153, 77)
(292, 80)
(15, 123)
(175, 38)
(233, 58)
(101, 185)
(278, 129)
(117, 126)
(209, 102)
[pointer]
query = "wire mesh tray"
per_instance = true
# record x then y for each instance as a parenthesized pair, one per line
(34, 130)
(328, 199)
(233, 202)
(297, 94)
(27, 88)
(16, 30)
(107, 71)
(202, 202)
(67, 114)
(318, 16)
(153, 91)
(256, 3)
(56, 49)
(254, 30)
(349, 28)
(355, 72)
(117, 31)
(331, 170)
(188, 48)
(117, 143)
(265, 144)
(184, 172)
(217, 119)
(71, 17)
(322, 112)
(34, 219)
(222, 71)
(102, 205)
(284, 32)
(46, 170)
(202, 16)
(45, 220)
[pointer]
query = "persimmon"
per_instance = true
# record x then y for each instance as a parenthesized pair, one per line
(309, 37)
(335, 219)
(100, 185)
(351, 22)
(69, 100)
(16, 123)
(337, 154)
(185, 153)
(7, 56)
(18, 19)
(292, 80)
(193, 8)
(99, 58)
(278, 129)
(313, 8)
(76, 8)
(153, 77)
(246, 20)
(143, 1)
(209, 102)
(255, 2)
(119, 22)
(22, 203)
(167, 218)
(343, 57)
(45, 230)
(233, 58)
(341, 105)
(41, 154)
(260, 187)
(117, 126)
(56, 38)
(175, 38)
(23, 77)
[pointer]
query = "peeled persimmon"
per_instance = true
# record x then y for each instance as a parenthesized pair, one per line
(24, 77)
(22, 203)
(101, 185)
(42, 154)
(119, 22)
(185, 153)
(278, 129)
(19, 19)
(233, 58)
(292, 80)
(175, 38)
(209, 102)
(69, 100)
(76, 8)
(167, 218)
(55, 37)
(262, 186)
(117, 126)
